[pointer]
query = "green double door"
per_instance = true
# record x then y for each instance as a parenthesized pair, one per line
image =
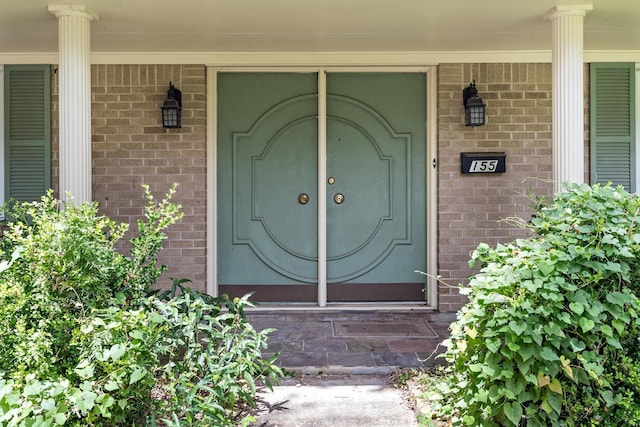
(271, 132)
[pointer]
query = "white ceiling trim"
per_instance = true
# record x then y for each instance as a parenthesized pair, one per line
(288, 59)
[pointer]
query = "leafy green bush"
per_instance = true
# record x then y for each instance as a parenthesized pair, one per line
(83, 340)
(550, 335)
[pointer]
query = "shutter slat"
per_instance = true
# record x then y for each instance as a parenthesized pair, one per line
(27, 131)
(614, 163)
(27, 115)
(612, 132)
(613, 95)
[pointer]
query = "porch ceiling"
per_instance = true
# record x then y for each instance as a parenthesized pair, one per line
(319, 25)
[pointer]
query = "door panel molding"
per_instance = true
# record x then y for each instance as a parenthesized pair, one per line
(391, 226)
(263, 148)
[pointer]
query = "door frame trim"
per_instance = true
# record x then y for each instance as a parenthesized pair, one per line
(431, 76)
(322, 188)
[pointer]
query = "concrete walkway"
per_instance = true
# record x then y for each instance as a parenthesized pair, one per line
(341, 362)
(335, 401)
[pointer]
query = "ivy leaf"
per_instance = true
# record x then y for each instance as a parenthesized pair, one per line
(586, 324)
(606, 330)
(548, 354)
(555, 401)
(60, 419)
(513, 411)
(546, 268)
(566, 366)
(577, 345)
(513, 347)
(552, 328)
(493, 345)
(472, 332)
(608, 398)
(515, 386)
(527, 351)
(111, 386)
(86, 372)
(517, 327)
(543, 379)
(576, 307)
(614, 343)
(156, 318)
(617, 298)
(619, 325)
(489, 371)
(48, 404)
(532, 285)
(475, 367)
(613, 267)
(137, 375)
(555, 386)
(117, 351)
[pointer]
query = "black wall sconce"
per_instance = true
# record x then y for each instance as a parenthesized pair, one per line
(172, 108)
(473, 106)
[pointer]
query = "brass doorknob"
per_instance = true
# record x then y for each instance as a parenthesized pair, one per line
(303, 199)
(338, 198)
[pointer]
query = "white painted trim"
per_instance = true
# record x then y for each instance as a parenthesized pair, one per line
(74, 99)
(432, 187)
(322, 188)
(637, 128)
(351, 306)
(73, 10)
(567, 95)
(611, 56)
(292, 59)
(431, 95)
(568, 10)
(212, 184)
(2, 138)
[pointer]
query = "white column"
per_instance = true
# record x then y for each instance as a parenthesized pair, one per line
(74, 76)
(568, 93)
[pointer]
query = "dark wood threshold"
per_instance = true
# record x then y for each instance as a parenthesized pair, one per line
(336, 293)
(375, 292)
(273, 293)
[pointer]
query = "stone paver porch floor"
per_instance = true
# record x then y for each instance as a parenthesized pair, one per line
(353, 341)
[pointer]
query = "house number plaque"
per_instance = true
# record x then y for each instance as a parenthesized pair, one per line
(483, 162)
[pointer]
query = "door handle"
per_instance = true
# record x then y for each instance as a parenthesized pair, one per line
(338, 198)
(303, 198)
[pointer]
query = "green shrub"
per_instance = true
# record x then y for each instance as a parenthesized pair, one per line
(84, 340)
(550, 335)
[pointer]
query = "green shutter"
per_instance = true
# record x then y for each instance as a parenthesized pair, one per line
(27, 90)
(612, 130)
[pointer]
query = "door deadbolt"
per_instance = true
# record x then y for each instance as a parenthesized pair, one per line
(331, 180)
(303, 199)
(338, 198)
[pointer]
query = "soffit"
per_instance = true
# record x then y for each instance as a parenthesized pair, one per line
(318, 26)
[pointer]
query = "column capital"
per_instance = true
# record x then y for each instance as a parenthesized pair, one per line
(72, 10)
(568, 10)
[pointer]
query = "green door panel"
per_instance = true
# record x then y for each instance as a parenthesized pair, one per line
(267, 157)
(376, 154)
(368, 162)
